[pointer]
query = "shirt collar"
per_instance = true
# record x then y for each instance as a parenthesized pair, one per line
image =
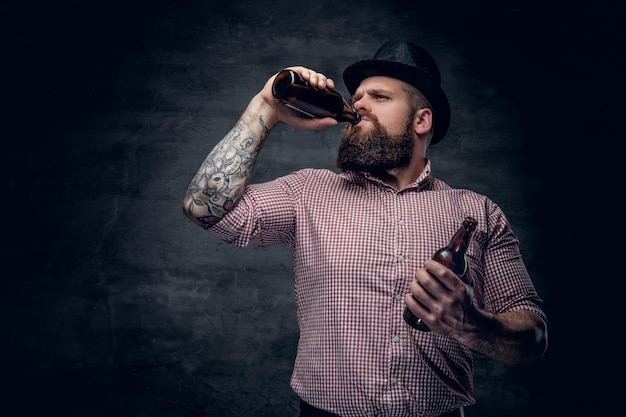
(421, 183)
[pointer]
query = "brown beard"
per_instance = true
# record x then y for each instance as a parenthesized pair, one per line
(374, 150)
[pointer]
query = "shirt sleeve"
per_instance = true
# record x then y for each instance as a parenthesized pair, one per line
(264, 215)
(507, 285)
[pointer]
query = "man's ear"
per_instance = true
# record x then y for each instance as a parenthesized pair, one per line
(423, 121)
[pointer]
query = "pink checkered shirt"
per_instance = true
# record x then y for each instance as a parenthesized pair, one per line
(356, 244)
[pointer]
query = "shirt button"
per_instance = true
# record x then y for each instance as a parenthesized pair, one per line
(394, 381)
(401, 222)
(401, 257)
(399, 297)
(396, 339)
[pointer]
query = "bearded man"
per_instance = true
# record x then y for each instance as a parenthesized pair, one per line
(362, 240)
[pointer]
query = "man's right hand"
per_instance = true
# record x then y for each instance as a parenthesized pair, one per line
(282, 113)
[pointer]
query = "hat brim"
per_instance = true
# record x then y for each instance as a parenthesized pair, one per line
(357, 72)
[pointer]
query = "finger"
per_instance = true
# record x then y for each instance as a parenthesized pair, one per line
(419, 297)
(419, 286)
(431, 282)
(442, 274)
(318, 80)
(315, 79)
(419, 309)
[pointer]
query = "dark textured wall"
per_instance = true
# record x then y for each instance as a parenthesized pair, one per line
(113, 304)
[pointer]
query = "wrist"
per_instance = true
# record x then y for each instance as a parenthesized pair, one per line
(261, 111)
(477, 327)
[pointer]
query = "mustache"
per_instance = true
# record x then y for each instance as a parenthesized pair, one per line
(371, 116)
(363, 113)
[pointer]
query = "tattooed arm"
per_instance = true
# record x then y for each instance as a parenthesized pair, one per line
(224, 174)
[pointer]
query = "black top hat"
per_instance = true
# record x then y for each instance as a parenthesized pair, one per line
(412, 64)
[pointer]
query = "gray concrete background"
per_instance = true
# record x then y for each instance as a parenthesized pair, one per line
(113, 304)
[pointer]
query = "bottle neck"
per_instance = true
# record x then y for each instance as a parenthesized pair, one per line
(461, 238)
(348, 115)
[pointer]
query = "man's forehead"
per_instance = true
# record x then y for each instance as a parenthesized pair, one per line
(380, 82)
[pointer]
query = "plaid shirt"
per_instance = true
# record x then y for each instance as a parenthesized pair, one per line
(356, 244)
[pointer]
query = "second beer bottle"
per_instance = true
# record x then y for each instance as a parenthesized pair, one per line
(297, 94)
(451, 256)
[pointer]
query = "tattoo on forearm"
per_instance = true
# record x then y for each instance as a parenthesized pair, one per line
(263, 126)
(222, 177)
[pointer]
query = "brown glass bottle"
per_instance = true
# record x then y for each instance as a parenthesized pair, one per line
(451, 256)
(297, 94)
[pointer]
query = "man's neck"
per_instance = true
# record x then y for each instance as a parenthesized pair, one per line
(400, 178)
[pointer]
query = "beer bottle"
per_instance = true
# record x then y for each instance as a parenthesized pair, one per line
(451, 256)
(297, 94)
